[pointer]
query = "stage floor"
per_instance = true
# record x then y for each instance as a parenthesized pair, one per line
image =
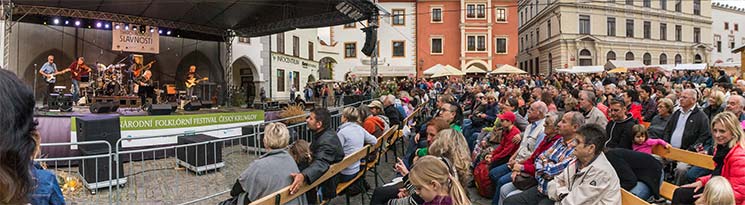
(79, 111)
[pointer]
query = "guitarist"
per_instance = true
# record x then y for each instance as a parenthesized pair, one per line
(137, 69)
(48, 70)
(78, 70)
(192, 78)
(145, 87)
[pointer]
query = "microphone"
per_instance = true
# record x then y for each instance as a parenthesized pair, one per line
(34, 64)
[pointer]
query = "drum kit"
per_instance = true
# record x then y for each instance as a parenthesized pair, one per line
(109, 80)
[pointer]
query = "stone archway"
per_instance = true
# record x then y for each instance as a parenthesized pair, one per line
(205, 68)
(327, 65)
(60, 59)
(246, 77)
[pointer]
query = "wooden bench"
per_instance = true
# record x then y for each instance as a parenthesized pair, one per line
(398, 135)
(283, 195)
(674, 154)
(379, 146)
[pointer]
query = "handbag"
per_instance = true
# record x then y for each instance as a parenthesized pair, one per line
(524, 181)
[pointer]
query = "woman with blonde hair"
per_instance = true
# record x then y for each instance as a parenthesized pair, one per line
(717, 192)
(729, 158)
(433, 180)
(714, 104)
(452, 145)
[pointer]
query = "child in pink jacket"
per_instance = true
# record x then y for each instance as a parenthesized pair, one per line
(642, 143)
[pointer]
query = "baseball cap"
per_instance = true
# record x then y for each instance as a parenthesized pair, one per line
(375, 104)
(509, 116)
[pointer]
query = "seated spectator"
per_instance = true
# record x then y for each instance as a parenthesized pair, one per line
(435, 181)
(715, 104)
(729, 158)
(391, 111)
(640, 173)
(688, 129)
(717, 192)
(547, 164)
(352, 137)
(642, 142)
(511, 105)
(591, 112)
(18, 141)
(372, 124)
(509, 143)
(619, 128)
(450, 144)
(300, 152)
(326, 150)
(269, 173)
(664, 111)
(452, 114)
(376, 109)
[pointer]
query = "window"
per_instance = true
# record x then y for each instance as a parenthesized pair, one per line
(436, 46)
(647, 58)
(663, 4)
(697, 59)
(678, 33)
(296, 46)
(718, 43)
(398, 49)
(585, 58)
(726, 26)
(697, 7)
(696, 35)
(481, 43)
(436, 14)
(471, 40)
(350, 25)
(630, 28)
(736, 27)
(480, 11)
(350, 50)
(663, 31)
(310, 50)
(678, 59)
(501, 15)
(501, 47)
(584, 24)
(732, 42)
(647, 3)
(281, 43)
(629, 56)
(647, 30)
(550, 62)
(610, 56)
(280, 80)
(549, 29)
(537, 35)
(611, 26)
(296, 80)
(678, 5)
(629, 2)
(398, 16)
(532, 43)
(663, 59)
(244, 40)
(470, 11)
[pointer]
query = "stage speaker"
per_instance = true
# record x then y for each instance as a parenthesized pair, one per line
(95, 171)
(159, 109)
(60, 102)
(97, 127)
(199, 157)
(371, 39)
(193, 106)
(104, 107)
(53, 101)
(206, 104)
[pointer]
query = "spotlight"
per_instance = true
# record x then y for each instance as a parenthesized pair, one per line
(117, 27)
(168, 33)
(134, 28)
(67, 22)
(160, 31)
(106, 26)
(126, 28)
(77, 23)
(56, 21)
(152, 30)
(98, 25)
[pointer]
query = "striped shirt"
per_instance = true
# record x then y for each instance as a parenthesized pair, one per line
(552, 162)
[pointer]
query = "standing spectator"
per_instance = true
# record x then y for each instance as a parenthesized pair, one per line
(619, 130)
(269, 173)
(292, 92)
(325, 95)
(729, 159)
(687, 129)
(326, 150)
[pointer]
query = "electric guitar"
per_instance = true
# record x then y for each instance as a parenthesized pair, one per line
(193, 81)
(137, 72)
(51, 77)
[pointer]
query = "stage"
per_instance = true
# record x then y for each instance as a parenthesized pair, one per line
(134, 123)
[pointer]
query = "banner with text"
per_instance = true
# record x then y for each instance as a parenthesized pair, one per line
(225, 124)
(135, 38)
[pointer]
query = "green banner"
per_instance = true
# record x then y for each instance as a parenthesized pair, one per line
(182, 121)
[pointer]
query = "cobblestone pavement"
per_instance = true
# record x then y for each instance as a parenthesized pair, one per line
(161, 181)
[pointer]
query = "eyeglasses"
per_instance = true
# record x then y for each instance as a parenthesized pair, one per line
(615, 110)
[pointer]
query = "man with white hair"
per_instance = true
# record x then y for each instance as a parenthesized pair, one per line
(736, 104)
(688, 129)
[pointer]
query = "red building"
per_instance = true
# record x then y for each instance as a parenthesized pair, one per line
(464, 34)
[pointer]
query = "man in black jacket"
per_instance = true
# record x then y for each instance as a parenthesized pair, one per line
(639, 172)
(688, 129)
(619, 128)
(326, 150)
(391, 112)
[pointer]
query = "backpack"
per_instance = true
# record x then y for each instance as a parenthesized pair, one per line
(482, 181)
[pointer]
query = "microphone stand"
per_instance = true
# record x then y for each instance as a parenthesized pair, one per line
(35, 76)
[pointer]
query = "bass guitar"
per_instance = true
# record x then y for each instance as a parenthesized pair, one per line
(138, 72)
(192, 82)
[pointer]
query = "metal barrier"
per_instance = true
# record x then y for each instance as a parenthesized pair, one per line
(75, 170)
(199, 169)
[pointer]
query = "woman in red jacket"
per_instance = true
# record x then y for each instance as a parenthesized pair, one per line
(729, 158)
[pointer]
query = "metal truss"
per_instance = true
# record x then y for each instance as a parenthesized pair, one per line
(229, 37)
(106, 16)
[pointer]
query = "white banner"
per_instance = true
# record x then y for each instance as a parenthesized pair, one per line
(135, 38)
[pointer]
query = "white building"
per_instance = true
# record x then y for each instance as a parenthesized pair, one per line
(249, 67)
(293, 62)
(727, 33)
(396, 40)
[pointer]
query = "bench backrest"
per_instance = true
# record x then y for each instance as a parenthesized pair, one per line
(283, 195)
(688, 157)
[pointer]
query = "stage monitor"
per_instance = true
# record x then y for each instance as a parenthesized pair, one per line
(104, 107)
(193, 106)
(159, 109)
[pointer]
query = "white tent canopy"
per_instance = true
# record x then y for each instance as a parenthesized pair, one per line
(582, 69)
(474, 69)
(434, 69)
(508, 69)
(694, 66)
(631, 65)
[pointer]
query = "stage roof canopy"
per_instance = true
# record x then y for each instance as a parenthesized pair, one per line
(245, 17)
